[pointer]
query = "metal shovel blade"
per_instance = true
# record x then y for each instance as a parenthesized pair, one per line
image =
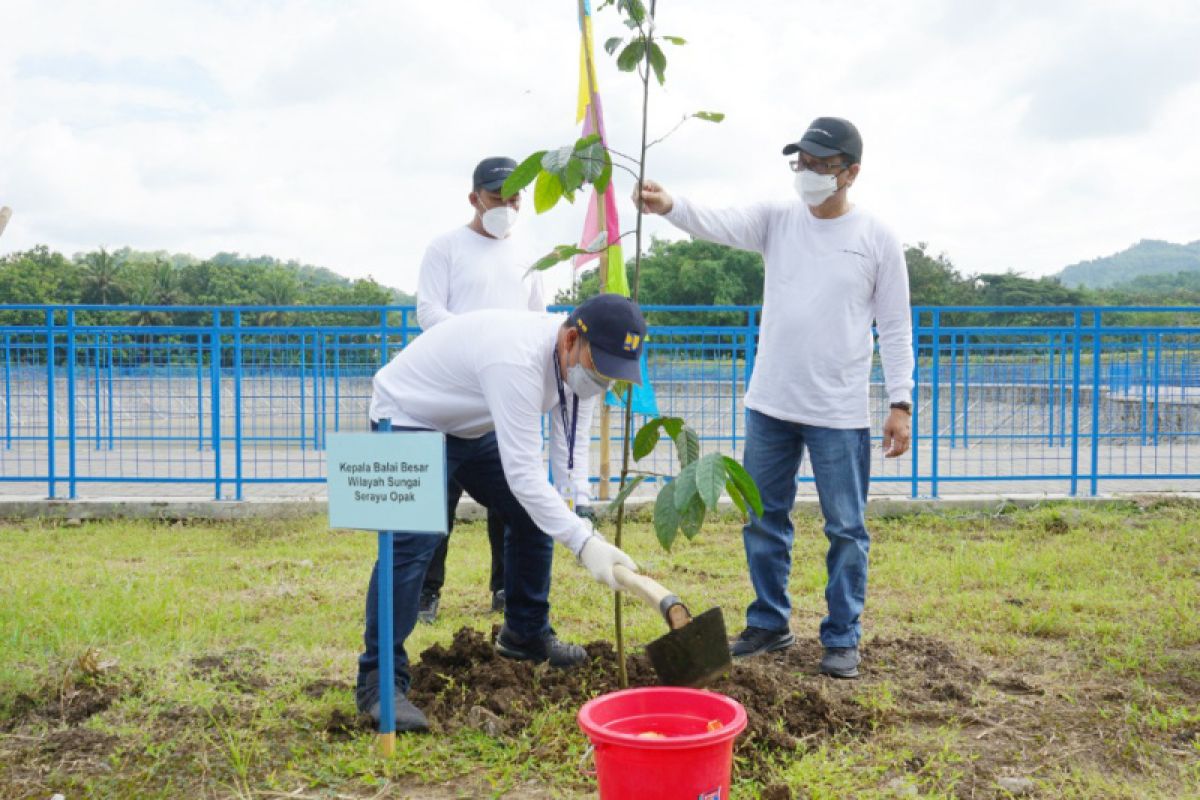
(694, 655)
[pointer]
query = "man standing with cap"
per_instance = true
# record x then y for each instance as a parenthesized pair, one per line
(474, 267)
(485, 379)
(831, 268)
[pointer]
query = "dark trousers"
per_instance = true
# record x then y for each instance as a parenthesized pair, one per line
(528, 553)
(435, 576)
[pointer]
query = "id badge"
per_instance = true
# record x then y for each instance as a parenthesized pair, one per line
(568, 493)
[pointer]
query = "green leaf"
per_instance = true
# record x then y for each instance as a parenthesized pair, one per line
(605, 177)
(556, 160)
(687, 445)
(631, 56)
(676, 40)
(666, 518)
(573, 175)
(658, 62)
(736, 497)
(646, 438)
(559, 254)
(586, 142)
(523, 175)
(709, 116)
(622, 495)
(672, 425)
(710, 478)
(692, 518)
(592, 159)
(744, 484)
(612, 44)
(546, 192)
(685, 487)
(634, 8)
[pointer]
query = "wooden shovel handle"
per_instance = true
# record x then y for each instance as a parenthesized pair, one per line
(654, 594)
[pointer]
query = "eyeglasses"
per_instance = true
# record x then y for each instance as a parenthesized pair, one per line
(819, 167)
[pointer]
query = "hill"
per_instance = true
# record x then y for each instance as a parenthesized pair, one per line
(1147, 257)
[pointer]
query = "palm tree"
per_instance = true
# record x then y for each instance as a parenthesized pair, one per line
(277, 287)
(102, 278)
(165, 283)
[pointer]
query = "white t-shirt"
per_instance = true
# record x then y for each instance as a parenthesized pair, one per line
(826, 280)
(464, 271)
(484, 371)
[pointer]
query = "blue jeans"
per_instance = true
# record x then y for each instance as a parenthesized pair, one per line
(841, 467)
(528, 554)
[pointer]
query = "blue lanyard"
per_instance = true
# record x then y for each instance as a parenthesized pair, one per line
(562, 408)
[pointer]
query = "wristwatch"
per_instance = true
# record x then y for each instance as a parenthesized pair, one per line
(904, 406)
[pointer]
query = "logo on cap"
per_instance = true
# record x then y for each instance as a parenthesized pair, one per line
(631, 341)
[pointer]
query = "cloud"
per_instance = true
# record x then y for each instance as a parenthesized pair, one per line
(1111, 76)
(345, 135)
(179, 75)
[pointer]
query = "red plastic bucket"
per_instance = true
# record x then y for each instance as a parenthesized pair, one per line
(663, 743)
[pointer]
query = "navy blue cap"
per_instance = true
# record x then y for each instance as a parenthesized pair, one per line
(491, 173)
(829, 136)
(615, 329)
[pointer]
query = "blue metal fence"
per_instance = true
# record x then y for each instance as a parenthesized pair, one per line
(230, 402)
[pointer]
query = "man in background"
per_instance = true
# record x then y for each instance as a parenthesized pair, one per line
(474, 267)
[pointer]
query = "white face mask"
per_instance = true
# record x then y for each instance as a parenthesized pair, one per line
(585, 382)
(498, 221)
(815, 189)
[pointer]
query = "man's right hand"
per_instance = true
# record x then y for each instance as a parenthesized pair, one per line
(599, 557)
(653, 198)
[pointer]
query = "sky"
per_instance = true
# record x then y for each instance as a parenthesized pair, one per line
(1025, 135)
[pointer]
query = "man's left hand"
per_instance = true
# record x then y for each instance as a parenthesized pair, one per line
(897, 433)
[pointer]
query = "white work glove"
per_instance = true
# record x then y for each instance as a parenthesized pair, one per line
(599, 557)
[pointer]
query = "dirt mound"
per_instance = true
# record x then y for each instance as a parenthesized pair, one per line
(787, 702)
(449, 681)
(240, 668)
(44, 732)
(69, 701)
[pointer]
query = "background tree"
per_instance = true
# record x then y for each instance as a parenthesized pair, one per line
(37, 276)
(100, 273)
(933, 280)
(691, 273)
(276, 286)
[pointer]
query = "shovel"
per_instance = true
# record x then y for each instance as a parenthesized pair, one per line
(696, 651)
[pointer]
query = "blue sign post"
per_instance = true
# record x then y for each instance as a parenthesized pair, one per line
(386, 484)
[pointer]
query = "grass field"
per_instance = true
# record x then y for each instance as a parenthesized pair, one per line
(157, 660)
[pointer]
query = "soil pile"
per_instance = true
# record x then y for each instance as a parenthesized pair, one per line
(787, 702)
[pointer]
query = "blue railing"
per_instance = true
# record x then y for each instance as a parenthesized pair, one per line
(237, 401)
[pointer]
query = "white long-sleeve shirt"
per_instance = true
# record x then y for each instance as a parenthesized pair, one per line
(485, 371)
(464, 271)
(826, 280)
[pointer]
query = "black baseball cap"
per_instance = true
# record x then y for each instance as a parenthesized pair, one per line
(829, 136)
(616, 330)
(491, 173)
